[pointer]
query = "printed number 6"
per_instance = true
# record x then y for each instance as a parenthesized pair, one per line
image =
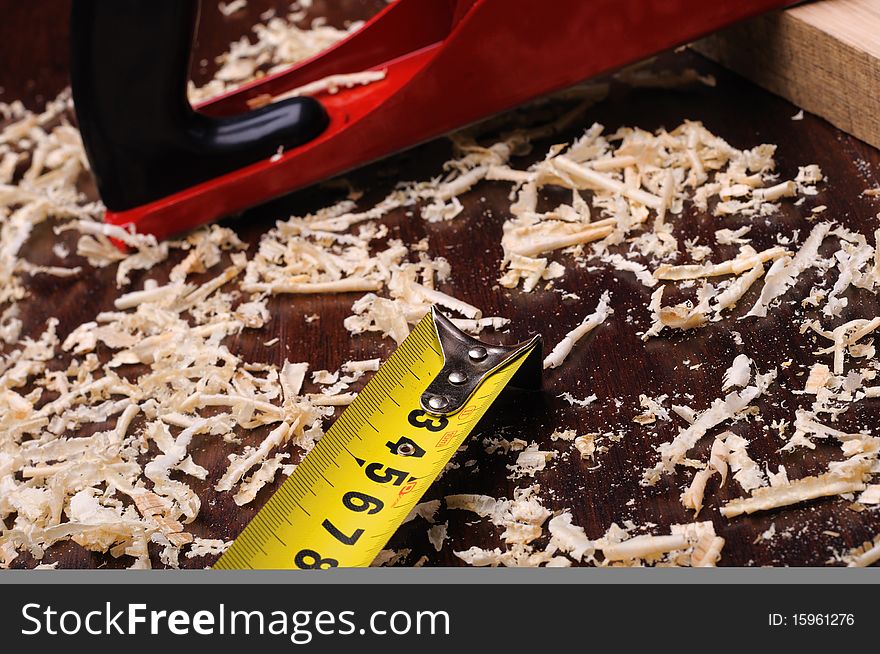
(358, 502)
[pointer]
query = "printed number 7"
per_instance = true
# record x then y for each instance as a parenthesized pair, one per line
(338, 535)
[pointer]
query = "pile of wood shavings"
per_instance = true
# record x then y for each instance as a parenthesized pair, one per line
(741, 183)
(171, 377)
(645, 181)
(569, 227)
(275, 44)
(330, 252)
(524, 519)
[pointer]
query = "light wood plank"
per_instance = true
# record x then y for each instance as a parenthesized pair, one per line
(822, 56)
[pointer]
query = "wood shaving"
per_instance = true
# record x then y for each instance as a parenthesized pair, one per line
(586, 445)
(871, 495)
(733, 236)
(843, 477)
(437, 534)
(229, 8)
(642, 547)
(587, 401)
(733, 267)
(562, 349)
(673, 453)
(854, 255)
(745, 471)
(207, 547)
(844, 338)
(692, 497)
(801, 490)
(426, 510)
(728, 298)
(683, 316)
(563, 435)
(569, 538)
(820, 376)
(687, 544)
(641, 272)
(653, 410)
(530, 461)
(668, 167)
(785, 274)
(707, 551)
(866, 554)
(739, 373)
(390, 558)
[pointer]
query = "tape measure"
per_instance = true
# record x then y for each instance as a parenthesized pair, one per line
(352, 491)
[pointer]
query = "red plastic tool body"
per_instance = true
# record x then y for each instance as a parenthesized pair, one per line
(448, 63)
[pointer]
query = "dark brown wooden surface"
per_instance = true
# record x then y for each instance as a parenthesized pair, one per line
(613, 363)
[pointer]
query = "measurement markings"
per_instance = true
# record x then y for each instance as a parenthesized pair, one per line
(332, 485)
(277, 511)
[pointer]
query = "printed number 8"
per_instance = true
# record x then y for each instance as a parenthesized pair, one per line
(311, 560)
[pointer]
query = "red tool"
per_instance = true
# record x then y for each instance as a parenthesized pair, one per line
(164, 168)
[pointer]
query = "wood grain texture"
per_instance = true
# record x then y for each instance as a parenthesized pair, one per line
(613, 362)
(822, 56)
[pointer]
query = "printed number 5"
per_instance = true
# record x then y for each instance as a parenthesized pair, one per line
(372, 472)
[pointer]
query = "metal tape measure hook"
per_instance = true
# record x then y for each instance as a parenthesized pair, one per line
(467, 363)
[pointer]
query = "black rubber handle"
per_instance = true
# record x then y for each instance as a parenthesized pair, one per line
(129, 70)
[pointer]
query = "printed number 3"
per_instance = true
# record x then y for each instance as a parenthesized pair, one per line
(422, 420)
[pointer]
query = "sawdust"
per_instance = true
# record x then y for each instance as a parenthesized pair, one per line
(101, 452)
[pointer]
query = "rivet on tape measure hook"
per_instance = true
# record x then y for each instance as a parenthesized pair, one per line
(467, 363)
(353, 490)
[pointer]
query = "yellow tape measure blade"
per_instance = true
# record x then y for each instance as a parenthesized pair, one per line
(348, 496)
